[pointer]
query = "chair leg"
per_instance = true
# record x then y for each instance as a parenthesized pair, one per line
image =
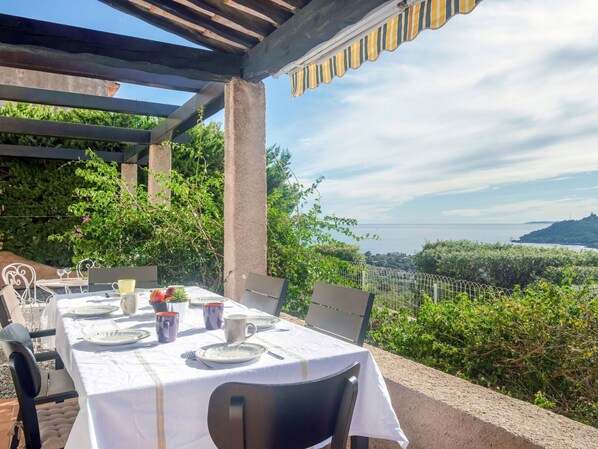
(359, 442)
(14, 440)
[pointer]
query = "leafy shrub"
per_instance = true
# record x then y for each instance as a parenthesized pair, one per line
(121, 229)
(37, 193)
(540, 345)
(503, 265)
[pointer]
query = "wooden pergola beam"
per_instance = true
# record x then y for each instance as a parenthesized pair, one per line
(45, 46)
(188, 111)
(13, 125)
(210, 100)
(71, 154)
(83, 101)
(314, 24)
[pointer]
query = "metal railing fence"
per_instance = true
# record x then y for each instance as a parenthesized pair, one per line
(397, 289)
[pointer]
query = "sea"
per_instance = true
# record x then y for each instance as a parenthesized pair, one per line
(410, 238)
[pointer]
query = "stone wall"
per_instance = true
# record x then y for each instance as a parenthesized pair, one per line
(440, 411)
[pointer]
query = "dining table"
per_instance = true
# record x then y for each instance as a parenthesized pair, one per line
(51, 285)
(148, 394)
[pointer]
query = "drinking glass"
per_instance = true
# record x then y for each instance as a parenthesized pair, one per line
(60, 272)
(67, 271)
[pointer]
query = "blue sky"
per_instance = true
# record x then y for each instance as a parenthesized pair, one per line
(491, 119)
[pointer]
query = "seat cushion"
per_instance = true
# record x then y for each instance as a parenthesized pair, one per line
(55, 423)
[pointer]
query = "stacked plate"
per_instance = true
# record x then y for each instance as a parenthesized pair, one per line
(117, 337)
(230, 353)
(93, 311)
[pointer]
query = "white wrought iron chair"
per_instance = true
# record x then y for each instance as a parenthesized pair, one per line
(23, 278)
(83, 267)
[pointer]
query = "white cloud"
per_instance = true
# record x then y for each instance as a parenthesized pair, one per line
(532, 210)
(504, 95)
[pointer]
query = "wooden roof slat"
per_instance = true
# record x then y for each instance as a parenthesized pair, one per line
(293, 5)
(266, 10)
(231, 17)
(176, 25)
(84, 101)
(25, 126)
(187, 10)
(193, 21)
(45, 46)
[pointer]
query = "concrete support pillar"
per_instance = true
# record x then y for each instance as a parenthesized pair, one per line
(245, 240)
(128, 173)
(160, 161)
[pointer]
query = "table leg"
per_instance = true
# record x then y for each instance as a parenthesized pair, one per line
(359, 442)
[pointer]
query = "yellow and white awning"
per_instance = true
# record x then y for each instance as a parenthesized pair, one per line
(402, 27)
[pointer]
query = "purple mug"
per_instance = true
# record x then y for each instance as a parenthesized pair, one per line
(167, 326)
(213, 315)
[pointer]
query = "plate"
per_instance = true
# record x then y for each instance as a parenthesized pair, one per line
(91, 311)
(117, 337)
(263, 321)
(235, 353)
(201, 300)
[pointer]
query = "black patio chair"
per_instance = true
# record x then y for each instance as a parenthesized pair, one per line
(265, 293)
(55, 385)
(341, 312)
(290, 416)
(48, 426)
(102, 278)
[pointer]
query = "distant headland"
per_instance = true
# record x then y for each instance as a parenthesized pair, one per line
(569, 232)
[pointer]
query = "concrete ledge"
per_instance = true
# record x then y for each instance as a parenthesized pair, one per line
(440, 411)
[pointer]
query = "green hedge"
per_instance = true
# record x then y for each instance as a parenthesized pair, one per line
(539, 345)
(503, 265)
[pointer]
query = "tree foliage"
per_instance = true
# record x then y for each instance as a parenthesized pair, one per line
(503, 265)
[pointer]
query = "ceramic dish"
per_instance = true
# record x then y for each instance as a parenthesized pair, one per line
(91, 311)
(263, 321)
(201, 300)
(117, 337)
(225, 353)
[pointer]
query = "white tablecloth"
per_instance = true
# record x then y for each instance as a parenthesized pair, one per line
(147, 395)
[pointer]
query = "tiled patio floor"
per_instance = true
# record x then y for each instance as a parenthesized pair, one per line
(8, 411)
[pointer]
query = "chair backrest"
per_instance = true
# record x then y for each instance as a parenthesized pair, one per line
(10, 307)
(84, 265)
(26, 377)
(22, 277)
(265, 293)
(340, 311)
(102, 278)
(291, 416)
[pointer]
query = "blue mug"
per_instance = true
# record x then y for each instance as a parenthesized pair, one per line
(167, 326)
(213, 314)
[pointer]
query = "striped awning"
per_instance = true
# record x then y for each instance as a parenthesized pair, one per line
(404, 27)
